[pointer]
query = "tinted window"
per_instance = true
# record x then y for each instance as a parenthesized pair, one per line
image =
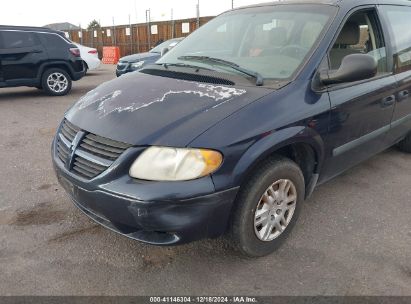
(53, 40)
(399, 19)
(16, 39)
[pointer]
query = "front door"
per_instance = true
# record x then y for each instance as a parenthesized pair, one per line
(361, 111)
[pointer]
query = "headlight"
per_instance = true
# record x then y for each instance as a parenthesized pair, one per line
(175, 164)
(137, 65)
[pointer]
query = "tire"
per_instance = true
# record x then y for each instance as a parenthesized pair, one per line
(405, 144)
(85, 68)
(51, 77)
(276, 172)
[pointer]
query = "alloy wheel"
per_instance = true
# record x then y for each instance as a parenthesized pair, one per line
(57, 82)
(275, 210)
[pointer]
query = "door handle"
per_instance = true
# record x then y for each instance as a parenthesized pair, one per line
(388, 101)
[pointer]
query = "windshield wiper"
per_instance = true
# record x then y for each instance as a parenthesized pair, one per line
(184, 65)
(233, 65)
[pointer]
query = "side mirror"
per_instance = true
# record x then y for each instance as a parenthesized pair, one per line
(164, 51)
(353, 67)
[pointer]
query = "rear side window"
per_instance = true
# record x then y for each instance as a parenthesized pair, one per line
(17, 39)
(53, 40)
(399, 20)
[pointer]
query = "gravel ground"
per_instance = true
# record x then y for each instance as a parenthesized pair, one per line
(353, 237)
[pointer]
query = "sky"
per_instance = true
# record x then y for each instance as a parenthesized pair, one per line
(42, 12)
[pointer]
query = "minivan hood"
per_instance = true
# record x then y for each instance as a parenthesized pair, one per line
(139, 57)
(142, 109)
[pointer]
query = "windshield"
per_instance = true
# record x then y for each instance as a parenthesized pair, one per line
(273, 41)
(167, 44)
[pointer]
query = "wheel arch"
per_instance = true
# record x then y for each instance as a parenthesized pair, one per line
(301, 144)
(55, 64)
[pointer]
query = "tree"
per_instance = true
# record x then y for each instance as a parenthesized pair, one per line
(93, 25)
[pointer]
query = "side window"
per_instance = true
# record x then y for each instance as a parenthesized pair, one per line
(16, 39)
(52, 40)
(361, 34)
(399, 19)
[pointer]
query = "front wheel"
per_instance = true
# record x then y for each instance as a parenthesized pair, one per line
(56, 82)
(405, 144)
(267, 207)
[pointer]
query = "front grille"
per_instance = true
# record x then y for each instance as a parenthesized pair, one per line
(92, 155)
(66, 136)
(103, 147)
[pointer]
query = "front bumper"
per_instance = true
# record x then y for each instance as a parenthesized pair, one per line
(159, 213)
(121, 72)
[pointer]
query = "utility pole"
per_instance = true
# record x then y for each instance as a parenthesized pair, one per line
(98, 36)
(114, 39)
(135, 10)
(198, 13)
(137, 35)
(172, 24)
(131, 33)
(232, 4)
(81, 33)
(148, 17)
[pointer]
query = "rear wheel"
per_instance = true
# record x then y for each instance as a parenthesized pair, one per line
(85, 68)
(405, 144)
(267, 207)
(56, 82)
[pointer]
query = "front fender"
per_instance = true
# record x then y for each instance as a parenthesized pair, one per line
(274, 141)
(235, 171)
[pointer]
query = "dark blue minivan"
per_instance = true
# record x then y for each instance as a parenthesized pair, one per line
(233, 129)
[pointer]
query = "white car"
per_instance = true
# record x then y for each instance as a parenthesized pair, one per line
(90, 57)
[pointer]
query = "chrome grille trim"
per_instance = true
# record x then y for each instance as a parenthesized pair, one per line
(64, 140)
(92, 154)
(93, 158)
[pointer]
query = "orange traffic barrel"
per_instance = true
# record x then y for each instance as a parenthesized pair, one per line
(111, 54)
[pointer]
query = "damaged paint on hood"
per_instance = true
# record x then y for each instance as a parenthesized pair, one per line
(110, 103)
(143, 109)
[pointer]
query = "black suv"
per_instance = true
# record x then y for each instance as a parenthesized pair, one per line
(38, 57)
